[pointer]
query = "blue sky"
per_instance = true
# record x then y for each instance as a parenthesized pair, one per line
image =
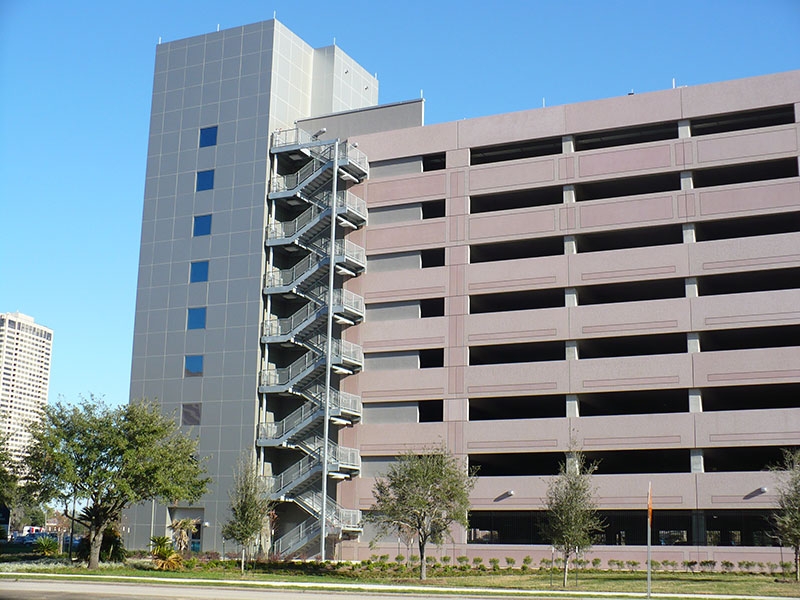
(76, 78)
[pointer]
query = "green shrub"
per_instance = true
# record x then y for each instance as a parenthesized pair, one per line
(414, 559)
(596, 562)
(632, 565)
(445, 560)
(727, 566)
(45, 546)
(545, 564)
(773, 567)
(689, 565)
(786, 568)
(495, 562)
(399, 559)
(655, 565)
(510, 562)
(707, 565)
(527, 561)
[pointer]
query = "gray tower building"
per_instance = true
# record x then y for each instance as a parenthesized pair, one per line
(204, 347)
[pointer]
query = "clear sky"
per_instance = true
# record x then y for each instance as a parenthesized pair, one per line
(76, 79)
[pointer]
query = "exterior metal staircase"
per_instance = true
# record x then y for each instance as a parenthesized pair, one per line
(308, 199)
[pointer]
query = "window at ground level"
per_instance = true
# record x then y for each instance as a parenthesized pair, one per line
(208, 136)
(191, 413)
(196, 318)
(193, 365)
(198, 271)
(202, 225)
(205, 180)
(628, 528)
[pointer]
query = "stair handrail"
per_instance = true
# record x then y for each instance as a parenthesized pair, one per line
(336, 454)
(337, 515)
(277, 230)
(283, 375)
(279, 428)
(285, 325)
(297, 537)
(286, 478)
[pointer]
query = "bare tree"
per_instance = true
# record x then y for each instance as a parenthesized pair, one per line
(571, 511)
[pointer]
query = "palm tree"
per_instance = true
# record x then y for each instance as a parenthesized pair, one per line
(182, 530)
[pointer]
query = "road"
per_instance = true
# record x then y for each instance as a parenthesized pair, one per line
(36, 589)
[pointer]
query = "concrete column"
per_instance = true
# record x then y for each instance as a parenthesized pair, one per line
(572, 350)
(570, 246)
(689, 236)
(691, 287)
(573, 408)
(569, 194)
(568, 144)
(684, 129)
(686, 181)
(695, 401)
(571, 296)
(696, 457)
(693, 342)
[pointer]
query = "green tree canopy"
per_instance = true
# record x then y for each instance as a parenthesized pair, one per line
(572, 516)
(250, 506)
(110, 458)
(787, 518)
(424, 494)
(8, 478)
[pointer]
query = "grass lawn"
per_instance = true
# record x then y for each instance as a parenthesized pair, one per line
(599, 581)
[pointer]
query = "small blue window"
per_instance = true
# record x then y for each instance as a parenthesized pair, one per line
(202, 225)
(193, 365)
(198, 271)
(205, 180)
(196, 318)
(208, 136)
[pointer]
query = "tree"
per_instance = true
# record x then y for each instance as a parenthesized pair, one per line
(787, 518)
(8, 478)
(110, 458)
(250, 506)
(422, 493)
(571, 512)
(182, 530)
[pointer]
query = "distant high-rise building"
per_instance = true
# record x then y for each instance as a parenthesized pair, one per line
(25, 349)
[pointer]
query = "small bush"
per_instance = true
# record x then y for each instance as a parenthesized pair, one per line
(510, 562)
(545, 564)
(672, 565)
(399, 559)
(727, 566)
(527, 560)
(613, 563)
(596, 562)
(632, 565)
(786, 568)
(689, 565)
(773, 567)
(414, 559)
(655, 565)
(477, 561)
(746, 565)
(495, 562)
(707, 566)
(445, 560)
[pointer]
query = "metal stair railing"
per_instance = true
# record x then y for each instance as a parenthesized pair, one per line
(284, 375)
(350, 153)
(277, 230)
(278, 429)
(297, 538)
(342, 348)
(287, 325)
(345, 518)
(286, 277)
(278, 485)
(336, 454)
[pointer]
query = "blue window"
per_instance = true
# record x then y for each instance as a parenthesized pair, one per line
(202, 225)
(196, 318)
(198, 271)
(208, 136)
(205, 180)
(193, 365)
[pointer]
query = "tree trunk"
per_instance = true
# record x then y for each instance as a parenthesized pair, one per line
(797, 563)
(95, 542)
(422, 565)
(566, 568)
